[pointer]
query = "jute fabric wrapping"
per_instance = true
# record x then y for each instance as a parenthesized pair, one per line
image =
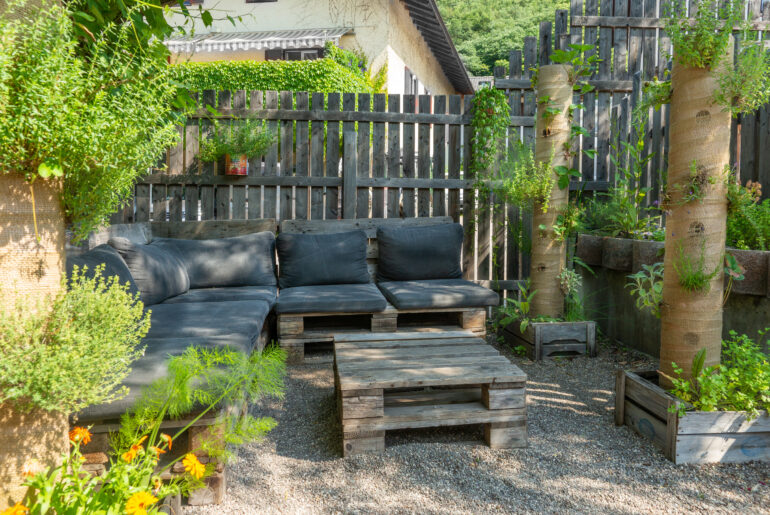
(548, 255)
(28, 441)
(700, 137)
(29, 269)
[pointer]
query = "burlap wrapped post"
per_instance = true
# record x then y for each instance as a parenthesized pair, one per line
(29, 271)
(548, 255)
(700, 135)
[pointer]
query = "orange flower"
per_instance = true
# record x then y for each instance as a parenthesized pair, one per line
(130, 454)
(158, 450)
(16, 509)
(80, 435)
(167, 439)
(32, 468)
(138, 503)
(193, 466)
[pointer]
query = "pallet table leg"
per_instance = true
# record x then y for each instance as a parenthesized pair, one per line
(504, 395)
(290, 325)
(362, 404)
(295, 352)
(362, 442)
(384, 323)
(506, 435)
(212, 493)
(474, 320)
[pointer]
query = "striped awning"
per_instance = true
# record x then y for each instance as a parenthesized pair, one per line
(229, 41)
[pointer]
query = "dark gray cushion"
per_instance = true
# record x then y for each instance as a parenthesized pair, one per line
(438, 293)
(331, 298)
(314, 259)
(113, 265)
(153, 366)
(267, 293)
(205, 319)
(247, 260)
(158, 273)
(414, 253)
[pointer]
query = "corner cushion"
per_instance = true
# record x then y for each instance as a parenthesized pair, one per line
(267, 293)
(113, 265)
(336, 298)
(438, 293)
(208, 319)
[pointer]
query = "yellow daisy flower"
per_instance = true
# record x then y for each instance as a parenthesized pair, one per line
(193, 466)
(139, 502)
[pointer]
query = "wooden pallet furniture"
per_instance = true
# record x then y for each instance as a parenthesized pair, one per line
(295, 331)
(697, 437)
(413, 379)
(544, 340)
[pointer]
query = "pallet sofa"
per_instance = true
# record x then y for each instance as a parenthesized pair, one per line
(408, 274)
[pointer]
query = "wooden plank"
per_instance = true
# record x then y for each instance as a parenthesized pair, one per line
(620, 44)
(212, 228)
(378, 157)
(286, 202)
(332, 210)
(454, 164)
(545, 43)
(561, 30)
(402, 336)
(207, 202)
(303, 159)
(408, 203)
(468, 200)
(349, 176)
(378, 182)
(394, 155)
(270, 193)
(652, 397)
(424, 158)
(222, 202)
(369, 225)
(350, 368)
(645, 424)
(432, 397)
(317, 159)
(611, 85)
(642, 22)
(363, 163)
(620, 397)
(191, 202)
(223, 99)
(471, 339)
(365, 404)
(635, 39)
(175, 202)
(175, 154)
(358, 354)
(159, 203)
(433, 376)
(192, 141)
(254, 194)
(439, 156)
(716, 422)
(411, 417)
(727, 448)
(238, 202)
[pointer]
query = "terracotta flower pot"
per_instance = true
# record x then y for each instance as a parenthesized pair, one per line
(238, 166)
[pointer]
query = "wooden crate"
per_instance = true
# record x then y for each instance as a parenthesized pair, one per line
(697, 437)
(414, 379)
(553, 339)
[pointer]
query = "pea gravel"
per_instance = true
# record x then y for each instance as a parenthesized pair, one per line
(577, 460)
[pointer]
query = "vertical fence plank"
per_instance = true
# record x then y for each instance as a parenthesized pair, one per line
(394, 155)
(238, 191)
(222, 191)
(349, 159)
(332, 159)
(159, 203)
(545, 43)
(256, 167)
(454, 162)
(512, 212)
(469, 199)
(287, 158)
(175, 155)
(439, 157)
(192, 143)
(635, 44)
(529, 104)
(142, 203)
(362, 145)
(270, 193)
(378, 157)
(348, 104)
(408, 203)
(620, 43)
(317, 159)
(303, 158)
(423, 158)
(175, 202)
(561, 30)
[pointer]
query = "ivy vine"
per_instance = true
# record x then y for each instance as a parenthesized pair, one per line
(490, 120)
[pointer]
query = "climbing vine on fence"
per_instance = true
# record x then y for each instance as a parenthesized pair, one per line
(491, 117)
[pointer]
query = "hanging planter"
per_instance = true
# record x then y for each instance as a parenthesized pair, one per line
(235, 145)
(237, 166)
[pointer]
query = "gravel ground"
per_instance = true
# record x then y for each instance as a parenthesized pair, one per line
(577, 460)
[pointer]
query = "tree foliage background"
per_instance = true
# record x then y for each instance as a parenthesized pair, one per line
(484, 31)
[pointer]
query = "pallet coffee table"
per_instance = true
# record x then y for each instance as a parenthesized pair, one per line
(406, 380)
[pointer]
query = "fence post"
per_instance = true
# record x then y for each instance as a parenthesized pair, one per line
(349, 175)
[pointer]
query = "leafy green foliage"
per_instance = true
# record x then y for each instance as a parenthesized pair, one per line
(484, 31)
(580, 66)
(250, 138)
(740, 383)
(516, 310)
(748, 219)
(522, 181)
(690, 271)
(704, 43)
(491, 117)
(319, 75)
(358, 62)
(647, 286)
(98, 123)
(746, 88)
(570, 283)
(75, 351)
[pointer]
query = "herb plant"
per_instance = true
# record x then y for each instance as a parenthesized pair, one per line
(690, 272)
(748, 219)
(522, 181)
(647, 286)
(249, 138)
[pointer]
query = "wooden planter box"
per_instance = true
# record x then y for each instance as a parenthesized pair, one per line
(698, 437)
(553, 339)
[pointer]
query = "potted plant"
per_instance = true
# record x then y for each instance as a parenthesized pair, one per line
(237, 144)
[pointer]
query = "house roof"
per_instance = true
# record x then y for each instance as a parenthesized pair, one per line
(265, 40)
(426, 17)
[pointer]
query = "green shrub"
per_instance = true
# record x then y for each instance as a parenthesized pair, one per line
(741, 382)
(250, 138)
(74, 352)
(320, 75)
(748, 220)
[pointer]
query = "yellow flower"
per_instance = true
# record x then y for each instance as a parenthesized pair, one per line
(16, 509)
(139, 502)
(130, 454)
(167, 439)
(80, 435)
(193, 466)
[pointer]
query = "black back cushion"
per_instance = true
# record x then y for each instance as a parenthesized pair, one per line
(314, 259)
(113, 265)
(247, 260)
(414, 253)
(158, 273)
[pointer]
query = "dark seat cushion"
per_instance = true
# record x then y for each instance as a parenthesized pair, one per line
(416, 253)
(153, 366)
(158, 273)
(336, 298)
(315, 259)
(207, 319)
(267, 293)
(438, 293)
(113, 265)
(247, 260)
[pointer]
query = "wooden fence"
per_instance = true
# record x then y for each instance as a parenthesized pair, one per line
(358, 156)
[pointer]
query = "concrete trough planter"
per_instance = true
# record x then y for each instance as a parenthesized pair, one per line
(553, 339)
(589, 249)
(754, 263)
(698, 437)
